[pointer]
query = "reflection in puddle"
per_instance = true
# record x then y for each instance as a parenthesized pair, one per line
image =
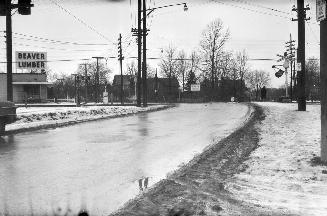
(143, 124)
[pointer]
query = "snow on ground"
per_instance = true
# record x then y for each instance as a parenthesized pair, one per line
(279, 174)
(38, 117)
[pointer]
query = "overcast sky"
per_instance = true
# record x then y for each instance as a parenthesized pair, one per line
(260, 27)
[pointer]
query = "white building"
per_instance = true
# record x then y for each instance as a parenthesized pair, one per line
(30, 86)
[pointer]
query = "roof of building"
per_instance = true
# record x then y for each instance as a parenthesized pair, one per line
(126, 79)
(32, 83)
(165, 81)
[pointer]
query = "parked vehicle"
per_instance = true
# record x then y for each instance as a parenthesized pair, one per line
(7, 115)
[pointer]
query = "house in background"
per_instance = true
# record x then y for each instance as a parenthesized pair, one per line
(26, 86)
(163, 89)
(128, 86)
(159, 89)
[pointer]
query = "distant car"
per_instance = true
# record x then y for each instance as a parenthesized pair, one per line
(7, 115)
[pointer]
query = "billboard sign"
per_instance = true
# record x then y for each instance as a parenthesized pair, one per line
(195, 87)
(31, 60)
(321, 10)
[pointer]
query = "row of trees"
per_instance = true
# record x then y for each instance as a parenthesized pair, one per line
(312, 84)
(213, 66)
(64, 86)
(222, 73)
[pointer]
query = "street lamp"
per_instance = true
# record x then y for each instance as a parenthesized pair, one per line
(166, 6)
(146, 12)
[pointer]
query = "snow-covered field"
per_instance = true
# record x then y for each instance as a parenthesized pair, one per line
(39, 117)
(279, 174)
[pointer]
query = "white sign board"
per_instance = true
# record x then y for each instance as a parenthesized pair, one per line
(320, 10)
(31, 60)
(195, 87)
(105, 97)
(298, 66)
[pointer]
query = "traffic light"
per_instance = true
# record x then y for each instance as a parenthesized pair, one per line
(2, 8)
(279, 73)
(24, 7)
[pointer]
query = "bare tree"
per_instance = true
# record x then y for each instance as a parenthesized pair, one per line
(242, 67)
(104, 72)
(257, 79)
(312, 78)
(227, 64)
(182, 66)
(151, 71)
(103, 76)
(132, 68)
(168, 62)
(213, 40)
(63, 85)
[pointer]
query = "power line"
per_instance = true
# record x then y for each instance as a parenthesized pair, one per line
(255, 11)
(37, 38)
(80, 20)
(261, 6)
(54, 48)
(63, 60)
(134, 57)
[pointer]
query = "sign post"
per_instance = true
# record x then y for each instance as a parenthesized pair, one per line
(286, 66)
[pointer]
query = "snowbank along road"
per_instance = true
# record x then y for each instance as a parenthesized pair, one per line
(281, 173)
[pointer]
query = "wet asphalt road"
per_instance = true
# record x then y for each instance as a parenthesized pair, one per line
(97, 165)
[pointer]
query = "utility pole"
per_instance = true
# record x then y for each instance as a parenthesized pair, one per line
(97, 82)
(86, 83)
(144, 71)
(169, 89)
(291, 57)
(9, 51)
(323, 81)
(120, 58)
(139, 51)
(24, 8)
(301, 13)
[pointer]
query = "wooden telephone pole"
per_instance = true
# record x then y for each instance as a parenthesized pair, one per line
(323, 81)
(120, 58)
(24, 8)
(144, 69)
(301, 12)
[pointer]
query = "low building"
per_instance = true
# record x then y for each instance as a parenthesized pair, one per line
(26, 86)
(128, 86)
(163, 89)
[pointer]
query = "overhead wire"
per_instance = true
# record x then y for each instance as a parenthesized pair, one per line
(261, 6)
(81, 21)
(47, 40)
(249, 9)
